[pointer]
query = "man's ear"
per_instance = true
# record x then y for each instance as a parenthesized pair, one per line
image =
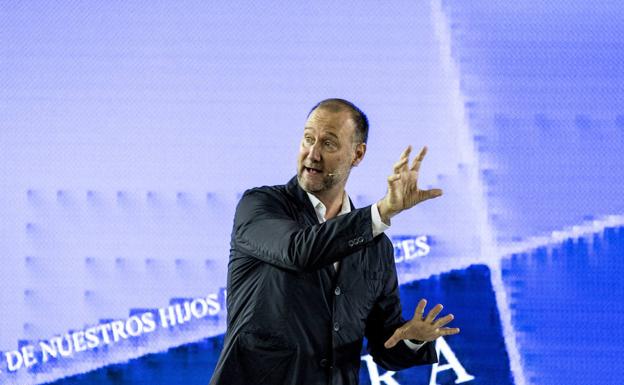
(360, 151)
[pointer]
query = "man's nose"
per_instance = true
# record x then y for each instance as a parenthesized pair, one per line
(315, 152)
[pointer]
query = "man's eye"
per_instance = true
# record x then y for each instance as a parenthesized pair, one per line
(308, 139)
(330, 144)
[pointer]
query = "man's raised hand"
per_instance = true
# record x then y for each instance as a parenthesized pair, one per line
(403, 192)
(423, 329)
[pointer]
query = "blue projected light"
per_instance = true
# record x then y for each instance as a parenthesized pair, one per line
(129, 131)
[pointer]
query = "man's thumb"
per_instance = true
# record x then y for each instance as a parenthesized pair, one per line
(430, 194)
(391, 341)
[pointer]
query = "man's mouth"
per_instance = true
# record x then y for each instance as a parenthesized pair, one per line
(312, 170)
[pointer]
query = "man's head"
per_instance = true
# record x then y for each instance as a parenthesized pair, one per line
(334, 140)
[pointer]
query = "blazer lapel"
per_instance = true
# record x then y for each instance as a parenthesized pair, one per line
(302, 201)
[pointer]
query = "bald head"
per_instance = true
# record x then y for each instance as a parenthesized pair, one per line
(359, 118)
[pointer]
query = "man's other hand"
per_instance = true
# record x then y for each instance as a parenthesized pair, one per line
(423, 329)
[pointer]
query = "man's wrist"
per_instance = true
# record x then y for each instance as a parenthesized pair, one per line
(384, 212)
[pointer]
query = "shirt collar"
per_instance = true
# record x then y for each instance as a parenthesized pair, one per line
(320, 208)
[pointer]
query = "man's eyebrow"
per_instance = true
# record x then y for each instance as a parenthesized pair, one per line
(328, 132)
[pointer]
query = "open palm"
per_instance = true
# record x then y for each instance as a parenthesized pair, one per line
(423, 328)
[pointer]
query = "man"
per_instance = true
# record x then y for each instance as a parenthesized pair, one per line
(310, 276)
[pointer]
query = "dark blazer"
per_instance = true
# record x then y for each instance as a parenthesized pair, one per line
(293, 320)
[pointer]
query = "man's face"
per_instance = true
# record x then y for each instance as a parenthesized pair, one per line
(327, 151)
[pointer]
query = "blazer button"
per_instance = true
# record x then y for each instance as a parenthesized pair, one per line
(324, 363)
(350, 243)
(360, 240)
(337, 290)
(336, 326)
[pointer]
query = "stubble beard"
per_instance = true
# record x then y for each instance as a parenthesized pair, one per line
(329, 181)
(325, 184)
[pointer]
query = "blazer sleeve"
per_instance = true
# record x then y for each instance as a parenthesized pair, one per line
(264, 228)
(384, 319)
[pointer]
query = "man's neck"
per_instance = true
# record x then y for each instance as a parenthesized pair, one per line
(332, 201)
